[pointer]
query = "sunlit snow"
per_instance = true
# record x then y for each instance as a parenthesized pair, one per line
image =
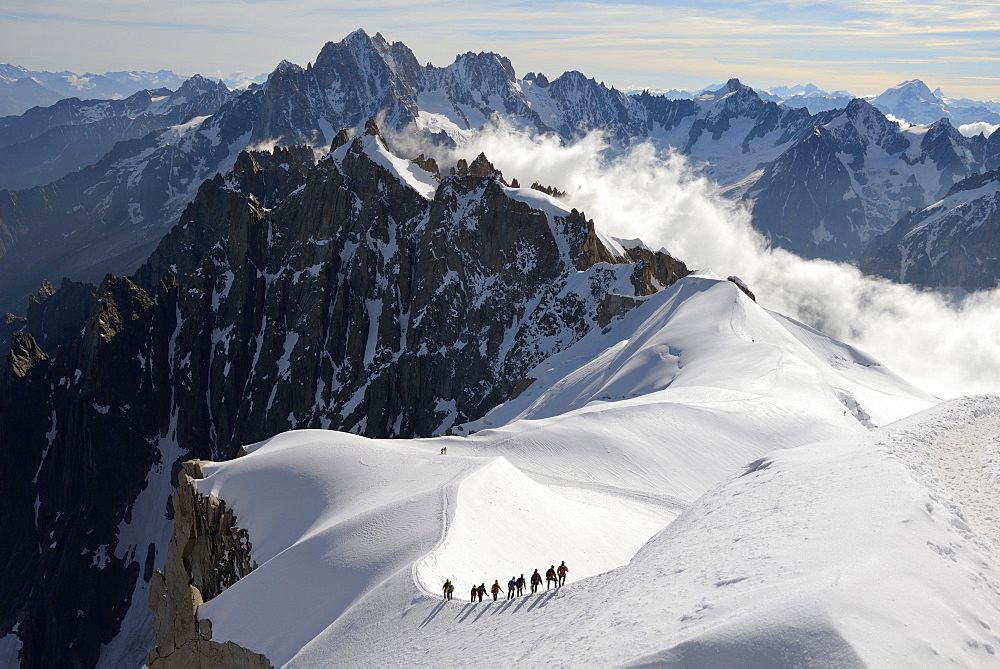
(849, 546)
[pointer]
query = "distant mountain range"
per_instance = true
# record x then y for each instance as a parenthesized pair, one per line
(21, 89)
(819, 184)
(911, 101)
(47, 143)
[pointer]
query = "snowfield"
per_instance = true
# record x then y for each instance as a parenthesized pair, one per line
(711, 473)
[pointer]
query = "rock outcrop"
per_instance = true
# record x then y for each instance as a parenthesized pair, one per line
(206, 554)
(24, 354)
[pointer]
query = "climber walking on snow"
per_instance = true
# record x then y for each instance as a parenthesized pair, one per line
(562, 570)
(447, 588)
(520, 585)
(511, 584)
(550, 577)
(481, 591)
(495, 589)
(475, 590)
(536, 580)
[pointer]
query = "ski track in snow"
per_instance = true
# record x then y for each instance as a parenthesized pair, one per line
(964, 460)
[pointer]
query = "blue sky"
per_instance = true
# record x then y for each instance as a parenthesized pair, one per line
(863, 47)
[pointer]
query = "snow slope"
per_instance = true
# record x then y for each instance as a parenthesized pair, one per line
(801, 558)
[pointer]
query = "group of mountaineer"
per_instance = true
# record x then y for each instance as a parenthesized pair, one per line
(554, 577)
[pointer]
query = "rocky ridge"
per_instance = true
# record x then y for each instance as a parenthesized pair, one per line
(206, 554)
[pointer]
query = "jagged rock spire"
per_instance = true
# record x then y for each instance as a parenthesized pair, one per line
(371, 127)
(481, 167)
(25, 353)
(340, 139)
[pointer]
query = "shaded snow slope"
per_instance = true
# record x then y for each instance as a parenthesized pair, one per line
(354, 535)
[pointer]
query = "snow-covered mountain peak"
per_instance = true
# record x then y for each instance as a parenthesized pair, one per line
(914, 102)
(859, 107)
(198, 85)
(733, 99)
(871, 126)
(942, 126)
(372, 144)
(912, 89)
(731, 86)
(471, 59)
(360, 38)
(704, 333)
(283, 67)
(363, 47)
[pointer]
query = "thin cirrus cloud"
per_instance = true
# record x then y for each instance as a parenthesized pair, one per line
(861, 46)
(54, 18)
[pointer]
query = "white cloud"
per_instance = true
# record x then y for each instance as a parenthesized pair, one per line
(972, 129)
(947, 347)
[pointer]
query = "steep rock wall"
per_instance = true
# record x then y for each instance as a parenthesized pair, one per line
(207, 553)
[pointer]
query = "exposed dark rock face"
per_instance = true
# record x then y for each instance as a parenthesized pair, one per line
(953, 244)
(799, 216)
(9, 325)
(24, 354)
(655, 270)
(73, 435)
(993, 152)
(742, 286)
(351, 80)
(288, 295)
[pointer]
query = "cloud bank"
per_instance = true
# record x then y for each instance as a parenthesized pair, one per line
(973, 129)
(945, 345)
